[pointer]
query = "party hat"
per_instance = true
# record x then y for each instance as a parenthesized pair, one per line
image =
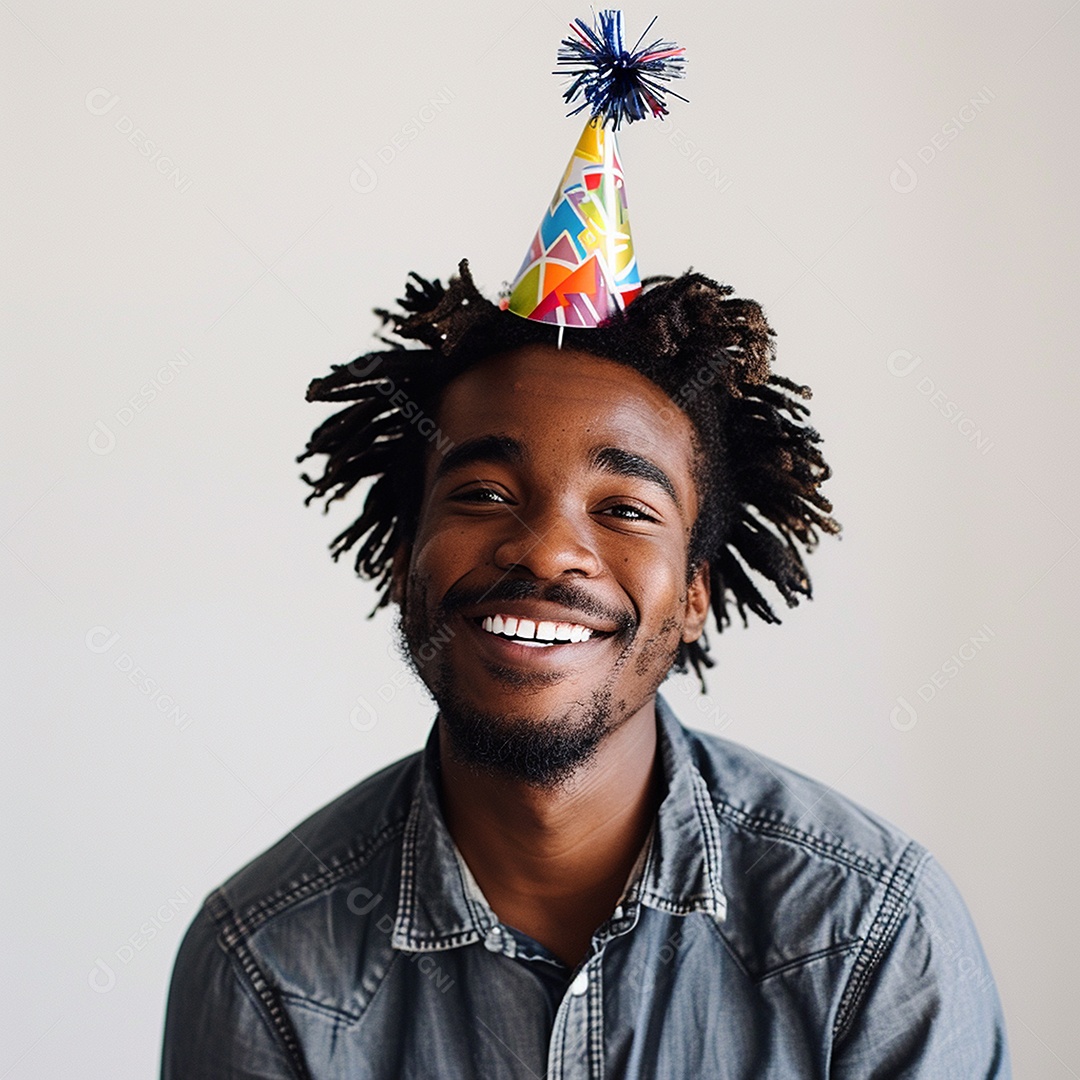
(581, 267)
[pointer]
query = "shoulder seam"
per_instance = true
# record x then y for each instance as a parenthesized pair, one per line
(232, 938)
(894, 905)
(781, 830)
(267, 907)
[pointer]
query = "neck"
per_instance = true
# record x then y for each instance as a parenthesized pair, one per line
(553, 862)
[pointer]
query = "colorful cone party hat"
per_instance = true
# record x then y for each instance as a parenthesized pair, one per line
(580, 267)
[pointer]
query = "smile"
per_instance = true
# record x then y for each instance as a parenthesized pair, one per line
(538, 634)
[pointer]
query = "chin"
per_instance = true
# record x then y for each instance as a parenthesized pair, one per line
(544, 749)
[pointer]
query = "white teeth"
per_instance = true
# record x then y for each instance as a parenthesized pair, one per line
(531, 632)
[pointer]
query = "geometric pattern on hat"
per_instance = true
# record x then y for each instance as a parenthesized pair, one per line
(580, 267)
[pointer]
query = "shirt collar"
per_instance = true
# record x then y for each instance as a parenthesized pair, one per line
(440, 906)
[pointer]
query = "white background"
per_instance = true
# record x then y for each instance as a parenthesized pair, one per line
(310, 156)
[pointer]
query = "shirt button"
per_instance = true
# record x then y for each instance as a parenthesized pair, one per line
(617, 913)
(493, 941)
(580, 984)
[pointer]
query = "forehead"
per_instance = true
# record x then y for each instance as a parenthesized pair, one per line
(542, 393)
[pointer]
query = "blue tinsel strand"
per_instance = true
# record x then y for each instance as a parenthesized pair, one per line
(618, 85)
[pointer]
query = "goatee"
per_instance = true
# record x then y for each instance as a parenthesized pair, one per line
(544, 752)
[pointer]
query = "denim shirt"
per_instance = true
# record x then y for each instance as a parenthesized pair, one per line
(771, 929)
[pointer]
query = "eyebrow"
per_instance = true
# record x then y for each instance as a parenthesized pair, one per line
(621, 462)
(497, 449)
(505, 450)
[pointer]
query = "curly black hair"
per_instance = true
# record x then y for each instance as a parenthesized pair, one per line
(758, 470)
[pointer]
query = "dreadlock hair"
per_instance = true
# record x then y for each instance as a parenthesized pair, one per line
(758, 468)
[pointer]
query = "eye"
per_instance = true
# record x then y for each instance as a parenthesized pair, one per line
(628, 512)
(479, 495)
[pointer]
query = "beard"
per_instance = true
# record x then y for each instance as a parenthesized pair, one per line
(544, 752)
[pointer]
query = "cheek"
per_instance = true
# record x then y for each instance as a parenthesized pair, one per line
(658, 651)
(660, 596)
(656, 577)
(447, 552)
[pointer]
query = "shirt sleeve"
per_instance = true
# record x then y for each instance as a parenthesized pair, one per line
(216, 1025)
(929, 1010)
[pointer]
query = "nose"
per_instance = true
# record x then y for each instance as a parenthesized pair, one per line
(548, 541)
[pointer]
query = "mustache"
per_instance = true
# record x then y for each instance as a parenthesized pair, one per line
(566, 594)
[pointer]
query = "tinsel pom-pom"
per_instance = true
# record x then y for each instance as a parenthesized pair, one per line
(618, 85)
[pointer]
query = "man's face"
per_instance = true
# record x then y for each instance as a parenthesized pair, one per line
(546, 592)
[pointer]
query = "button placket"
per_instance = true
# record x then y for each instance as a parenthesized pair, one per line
(577, 1039)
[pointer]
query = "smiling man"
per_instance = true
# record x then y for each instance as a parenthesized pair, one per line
(553, 544)
(566, 882)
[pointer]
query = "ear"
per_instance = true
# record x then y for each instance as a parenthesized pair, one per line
(399, 573)
(698, 595)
